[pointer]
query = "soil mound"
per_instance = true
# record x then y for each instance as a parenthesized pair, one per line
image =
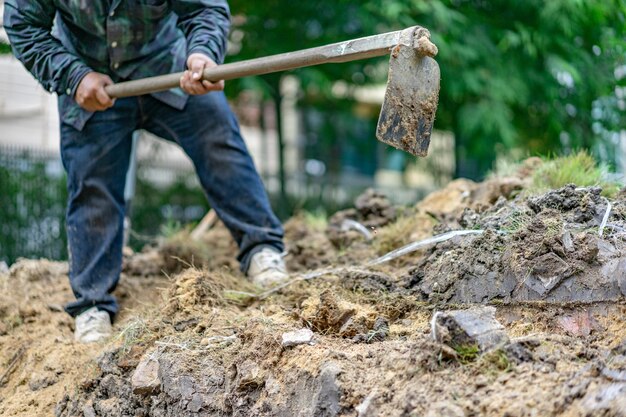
(548, 248)
(349, 334)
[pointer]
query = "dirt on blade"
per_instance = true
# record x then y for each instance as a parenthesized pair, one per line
(345, 338)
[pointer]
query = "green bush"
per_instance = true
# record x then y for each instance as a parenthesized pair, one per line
(5, 48)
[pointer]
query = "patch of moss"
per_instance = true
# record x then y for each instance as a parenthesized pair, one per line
(496, 361)
(467, 353)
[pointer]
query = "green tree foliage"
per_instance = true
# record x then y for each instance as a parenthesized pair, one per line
(4, 48)
(275, 26)
(531, 74)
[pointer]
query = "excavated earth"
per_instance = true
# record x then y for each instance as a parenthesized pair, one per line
(194, 338)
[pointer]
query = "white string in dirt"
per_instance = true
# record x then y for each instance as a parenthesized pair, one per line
(411, 247)
(605, 219)
(433, 325)
(213, 341)
(349, 224)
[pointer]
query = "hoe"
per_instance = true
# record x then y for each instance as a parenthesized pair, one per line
(408, 111)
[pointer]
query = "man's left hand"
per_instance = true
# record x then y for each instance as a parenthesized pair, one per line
(191, 82)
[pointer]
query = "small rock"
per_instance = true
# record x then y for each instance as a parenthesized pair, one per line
(366, 408)
(298, 337)
(250, 375)
(56, 308)
(580, 323)
(445, 409)
(605, 250)
(183, 325)
(109, 407)
(547, 272)
(186, 386)
(61, 406)
(329, 394)
(196, 403)
(272, 386)
(378, 333)
(518, 352)
(568, 242)
(41, 381)
(145, 379)
(481, 381)
(447, 353)
(88, 411)
(111, 385)
(475, 326)
(604, 399)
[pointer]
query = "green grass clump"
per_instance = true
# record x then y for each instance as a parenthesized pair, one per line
(495, 361)
(516, 221)
(579, 168)
(467, 353)
(317, 220)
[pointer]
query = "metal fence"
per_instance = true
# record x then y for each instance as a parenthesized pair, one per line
(33, 203)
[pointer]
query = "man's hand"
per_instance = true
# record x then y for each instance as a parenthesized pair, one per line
(90, 94)
(191, 82)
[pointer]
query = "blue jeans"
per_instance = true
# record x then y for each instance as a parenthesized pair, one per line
(96, 160)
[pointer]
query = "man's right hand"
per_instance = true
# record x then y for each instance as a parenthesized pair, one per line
(90, 94)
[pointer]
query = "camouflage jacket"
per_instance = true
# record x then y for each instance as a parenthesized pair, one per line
(60, 41)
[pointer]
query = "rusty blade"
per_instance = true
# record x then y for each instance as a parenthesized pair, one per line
(408, 112)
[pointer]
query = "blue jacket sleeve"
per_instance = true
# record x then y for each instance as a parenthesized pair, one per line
(28, 24)
(205, 24)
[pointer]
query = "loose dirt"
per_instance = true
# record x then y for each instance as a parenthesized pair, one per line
(206, 342)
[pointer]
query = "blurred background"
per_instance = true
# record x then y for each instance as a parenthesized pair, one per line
(518, 79)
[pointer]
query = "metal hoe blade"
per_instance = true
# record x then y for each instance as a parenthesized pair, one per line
(408, 112)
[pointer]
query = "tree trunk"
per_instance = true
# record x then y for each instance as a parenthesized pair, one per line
(282, 209)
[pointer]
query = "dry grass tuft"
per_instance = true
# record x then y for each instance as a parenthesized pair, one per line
(198, 288)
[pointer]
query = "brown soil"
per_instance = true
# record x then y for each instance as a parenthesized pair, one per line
(557, 285)
(39, 361)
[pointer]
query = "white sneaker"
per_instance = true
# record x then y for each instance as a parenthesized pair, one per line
(92, 326)
(267, 268)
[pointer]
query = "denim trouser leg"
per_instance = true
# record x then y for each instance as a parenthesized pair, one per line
(209, 133)
(96, 160)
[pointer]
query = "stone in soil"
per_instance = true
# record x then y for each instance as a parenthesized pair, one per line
(475, 326)
(608, 399)
(297, 337)
(145, 379)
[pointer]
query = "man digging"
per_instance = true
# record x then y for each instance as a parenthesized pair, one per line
(77, 47)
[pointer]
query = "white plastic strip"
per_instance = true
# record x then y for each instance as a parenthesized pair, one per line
(348, 224)
(412, 247)
(606, 216)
